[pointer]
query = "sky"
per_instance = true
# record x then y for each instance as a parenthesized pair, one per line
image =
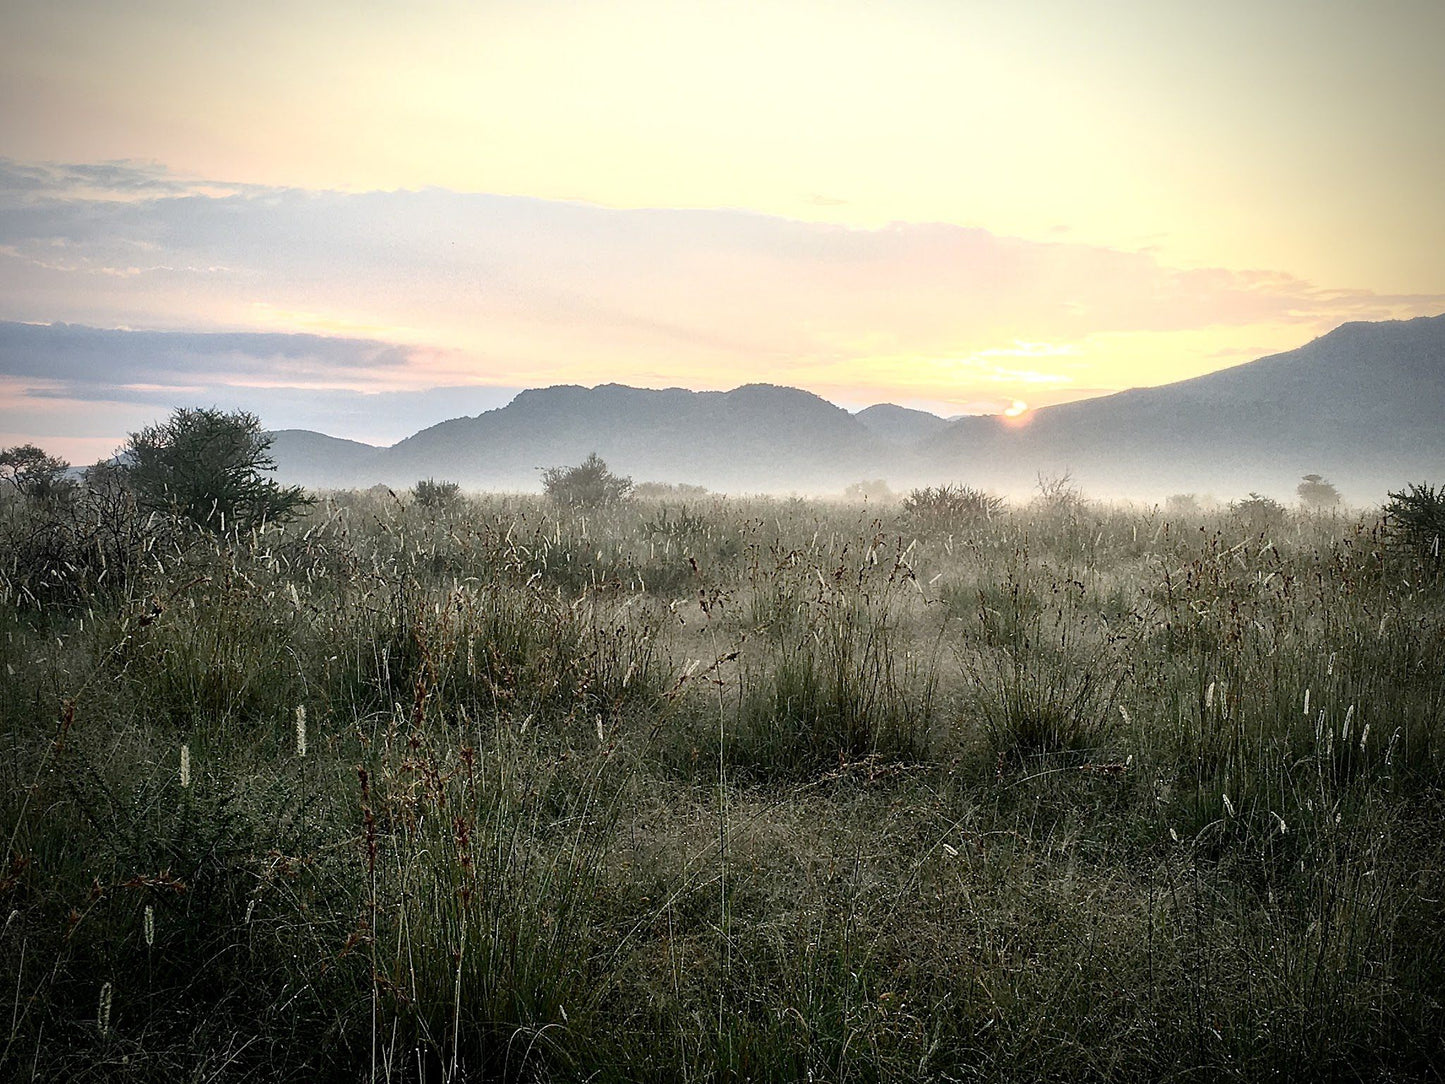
(364, 218)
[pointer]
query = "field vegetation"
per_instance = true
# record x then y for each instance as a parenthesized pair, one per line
(435, 787)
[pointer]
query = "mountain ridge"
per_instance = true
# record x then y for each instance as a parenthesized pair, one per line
(1360, 404)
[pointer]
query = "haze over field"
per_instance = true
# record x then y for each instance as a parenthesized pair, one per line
(401, 218)
(644, 542)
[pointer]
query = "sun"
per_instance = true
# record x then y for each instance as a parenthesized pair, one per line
(1017, 414)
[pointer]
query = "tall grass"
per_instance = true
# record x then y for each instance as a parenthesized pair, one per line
(704, 789)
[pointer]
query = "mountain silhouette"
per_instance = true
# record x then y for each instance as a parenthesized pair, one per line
(901, 425)
(756, 437)
(1361, 405)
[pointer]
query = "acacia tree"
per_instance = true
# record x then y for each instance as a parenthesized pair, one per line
(33, 473)
(209, 466)
(1314, 491)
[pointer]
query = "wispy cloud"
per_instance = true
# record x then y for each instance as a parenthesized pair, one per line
(242, 286)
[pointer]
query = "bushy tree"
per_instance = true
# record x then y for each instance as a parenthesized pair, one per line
(590, 484)
(209, 466)
(1315, 492)
(34, 474)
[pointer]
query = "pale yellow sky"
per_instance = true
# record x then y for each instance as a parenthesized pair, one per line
(1294, 137)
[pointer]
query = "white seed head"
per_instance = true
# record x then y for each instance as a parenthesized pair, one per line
(301, 730)
(1228, 805)
(1307, 703)
(102, 1010)
(185, 765)
(150, 925)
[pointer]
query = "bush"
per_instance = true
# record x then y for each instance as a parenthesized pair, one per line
(590, 484)
(1416, 517)
(657, 491)
(950, 508)
(1258, 512)
(207, 465)
(91, 541)
(430, 493)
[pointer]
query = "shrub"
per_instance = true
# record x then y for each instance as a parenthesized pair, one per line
(430, 493)
(92, 541)
(208, 466)
(1258, 512)
(656, 491)
(950, 508)
(590, 484)
(1416, 516)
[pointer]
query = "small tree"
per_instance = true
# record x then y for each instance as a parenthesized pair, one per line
(1057, 492)
(209, 466)
(34, 474)
(590, 484)
(1316, 493)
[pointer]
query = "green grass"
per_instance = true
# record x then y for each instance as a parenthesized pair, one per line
(720, 790)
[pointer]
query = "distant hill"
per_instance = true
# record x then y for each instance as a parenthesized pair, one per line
(1362, 405)
(756, 437)
(900, 425)
(317, 461)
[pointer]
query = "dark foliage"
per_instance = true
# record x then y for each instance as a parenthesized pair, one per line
(208, 466)
(34, 474)
(1416, 515)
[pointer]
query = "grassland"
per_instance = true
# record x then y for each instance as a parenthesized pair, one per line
(720, 790)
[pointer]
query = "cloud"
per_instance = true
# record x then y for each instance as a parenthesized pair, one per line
(126, 179)
(244, 286)
(70, 353)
